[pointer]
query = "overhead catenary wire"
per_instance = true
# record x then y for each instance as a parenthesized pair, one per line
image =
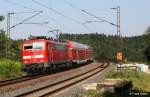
(59, 13)
(18, 4)
(83, 11)
(99, 18)
(26, 19)
(25, 7)
(49, 27)
(55, 11)
(104, 20)
(78, 9)
(26, 12)
(72, 5)
(39, 23)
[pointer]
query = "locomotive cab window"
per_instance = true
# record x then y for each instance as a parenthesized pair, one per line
(33, 46)
(28, 46)
(38, 46)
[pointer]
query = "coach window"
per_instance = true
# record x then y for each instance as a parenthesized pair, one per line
(50, 46)
(60, 47)
(54, 47)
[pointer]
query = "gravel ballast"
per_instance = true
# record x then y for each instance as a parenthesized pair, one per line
(19, 88)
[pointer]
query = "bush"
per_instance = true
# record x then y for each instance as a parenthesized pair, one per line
(147, 52)
(140, 80)
(9, 69)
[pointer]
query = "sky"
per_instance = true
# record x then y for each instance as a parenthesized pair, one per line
(66, 15)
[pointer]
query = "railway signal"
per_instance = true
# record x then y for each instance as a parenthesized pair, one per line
(119, 56)
(119, 52)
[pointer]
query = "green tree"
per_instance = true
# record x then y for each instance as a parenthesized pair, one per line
(147, 52)
(2, 18)
(2, 40)
(2, 44)
(147, 30)
(105, 47)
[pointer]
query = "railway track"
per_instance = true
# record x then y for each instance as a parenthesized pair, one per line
(58, 86)
(19, 79)
(24, 78)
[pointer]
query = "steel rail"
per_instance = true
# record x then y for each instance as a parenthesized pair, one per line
(28, 77)
(58, 86)
(18, 79)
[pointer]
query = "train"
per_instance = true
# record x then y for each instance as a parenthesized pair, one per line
(44, 54)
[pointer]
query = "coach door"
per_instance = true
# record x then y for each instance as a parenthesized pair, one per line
(50, 55)
(76, 54)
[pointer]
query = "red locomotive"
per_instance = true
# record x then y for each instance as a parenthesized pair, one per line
(40, 54)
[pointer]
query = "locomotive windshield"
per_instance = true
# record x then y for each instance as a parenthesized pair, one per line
(38, 46)
(33, 46)
(28, 46)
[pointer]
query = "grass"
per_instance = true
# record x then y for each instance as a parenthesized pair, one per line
(91, 93)
(146, 62)
(9, 69)
(140, 80)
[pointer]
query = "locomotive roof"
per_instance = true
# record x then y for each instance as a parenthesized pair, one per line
(78, 45)
(36, 40)
(71, 43)
(44, 40)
